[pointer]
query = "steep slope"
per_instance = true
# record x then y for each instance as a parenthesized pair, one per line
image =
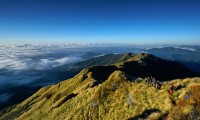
(106, 92)
(56, 75)
(105, 60)
(69, 70)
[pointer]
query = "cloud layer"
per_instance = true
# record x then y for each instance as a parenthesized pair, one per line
(21, 65)
(40, 65)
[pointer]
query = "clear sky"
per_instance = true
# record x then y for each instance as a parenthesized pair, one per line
(100, 21)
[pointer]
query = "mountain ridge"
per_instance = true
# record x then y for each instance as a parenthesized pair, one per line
(146, 65)
(107, 92)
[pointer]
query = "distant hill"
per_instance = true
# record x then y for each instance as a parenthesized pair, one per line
(103, 60)
(144, 65)
(135, 65)
(183, 54)
(108, 92)
(193, 47)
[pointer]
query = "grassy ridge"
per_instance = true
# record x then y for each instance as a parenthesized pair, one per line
(116, 98)
(107, 93)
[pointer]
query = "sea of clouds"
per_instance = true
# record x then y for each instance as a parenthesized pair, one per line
(29, 65)
(23, 67)
(18, 64)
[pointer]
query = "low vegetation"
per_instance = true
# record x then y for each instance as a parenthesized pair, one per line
(115, 97)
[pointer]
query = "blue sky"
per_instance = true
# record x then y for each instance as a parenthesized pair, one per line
(100, 21)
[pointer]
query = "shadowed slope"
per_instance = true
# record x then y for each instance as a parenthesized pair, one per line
(145, 65)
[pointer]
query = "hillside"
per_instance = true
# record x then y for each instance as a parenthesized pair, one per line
(186, 55)
(55, 75)
(70, 70)
(108, 92)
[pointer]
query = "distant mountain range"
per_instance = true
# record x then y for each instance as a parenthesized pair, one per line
(183, 54)
(190, 47)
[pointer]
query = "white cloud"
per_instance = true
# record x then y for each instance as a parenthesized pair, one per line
(48, 63)
(23, 65)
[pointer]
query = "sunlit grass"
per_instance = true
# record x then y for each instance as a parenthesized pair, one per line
(116, 98)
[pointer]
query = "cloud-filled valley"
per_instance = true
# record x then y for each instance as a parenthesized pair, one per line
(40, 65)
(19, 65)
(26, 68)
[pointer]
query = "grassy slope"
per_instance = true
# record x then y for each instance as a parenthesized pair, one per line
(116, 98)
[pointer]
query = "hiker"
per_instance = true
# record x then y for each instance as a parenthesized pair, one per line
(153, 81)
(171, 89)
(179, 86)
(151, 78)
(137, 80)
(145, 79)
(171, 92)
(148, 80)
(158, 85)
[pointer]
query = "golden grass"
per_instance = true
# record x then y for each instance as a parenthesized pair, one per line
(116, 98)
